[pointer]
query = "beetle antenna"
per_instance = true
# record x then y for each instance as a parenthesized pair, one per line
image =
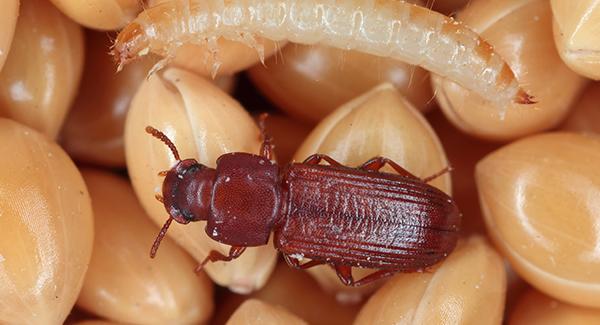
(162, 137)
(161, 235)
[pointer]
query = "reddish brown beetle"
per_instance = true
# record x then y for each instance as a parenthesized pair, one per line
(330, 214)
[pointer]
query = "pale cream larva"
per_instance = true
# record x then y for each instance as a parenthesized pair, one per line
(395, 29)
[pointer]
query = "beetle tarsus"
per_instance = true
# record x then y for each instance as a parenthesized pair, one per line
(375, 164)
(216, 256)
(266, 148)
(428, 179)
(344, 272)
(317, 158)
(295, 263)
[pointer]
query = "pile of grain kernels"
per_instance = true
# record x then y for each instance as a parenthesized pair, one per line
(535, 193)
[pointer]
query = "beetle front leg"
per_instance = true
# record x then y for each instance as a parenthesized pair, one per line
(266, 148)
(215, 256)
(295, 263)
(344, 272)
(315, 159)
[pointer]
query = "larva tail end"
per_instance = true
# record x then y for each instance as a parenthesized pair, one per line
(130, 44)
(523, 97)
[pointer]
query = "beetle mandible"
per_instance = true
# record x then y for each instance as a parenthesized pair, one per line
(331, 214)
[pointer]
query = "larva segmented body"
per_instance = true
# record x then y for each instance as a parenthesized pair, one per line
(387, 28)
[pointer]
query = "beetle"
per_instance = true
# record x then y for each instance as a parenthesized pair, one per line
(331, 214)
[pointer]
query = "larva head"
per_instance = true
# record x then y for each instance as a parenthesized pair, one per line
(186, 190)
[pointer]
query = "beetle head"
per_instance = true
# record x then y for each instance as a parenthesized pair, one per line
(186, 189)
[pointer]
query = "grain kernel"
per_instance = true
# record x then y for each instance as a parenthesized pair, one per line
(8, 22)
(536, 308)
(378, 123)
(41, 74)
(576, 35)
(122, 282)
(539, 197)
(204, 123)
(100, 14)
(585, 115)
(467, 288)
(521, 32)
(47, 228)
(256, 312)
(311, 81)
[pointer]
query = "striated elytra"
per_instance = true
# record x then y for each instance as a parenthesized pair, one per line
(331, 214)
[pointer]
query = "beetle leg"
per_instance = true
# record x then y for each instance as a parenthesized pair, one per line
(344, 272)
(375, 164)
(315, 159)
(295, 263)
(378, 275)
(266, 148)
(447, 169)
(215, 256)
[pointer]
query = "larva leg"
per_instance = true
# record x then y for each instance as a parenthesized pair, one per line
(213, 47)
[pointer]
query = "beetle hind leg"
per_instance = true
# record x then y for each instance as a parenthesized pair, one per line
(215, 256)
(447, 169)
(344, 272)
(316, 158)
(375, 164)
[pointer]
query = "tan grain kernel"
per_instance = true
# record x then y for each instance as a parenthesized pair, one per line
(467, 288)
(576, 35)
(256, 312)
(521, 32)
(539, 197)
(8, 22)
(41, 74)
(535, 308)
(100, 14)
(122, 282)
(310, 81)
(47, 228)
(585, 114)
(297, 292)
(380, 122)
(204, 123)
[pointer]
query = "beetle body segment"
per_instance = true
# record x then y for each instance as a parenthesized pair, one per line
(245, 200)
(354, 217)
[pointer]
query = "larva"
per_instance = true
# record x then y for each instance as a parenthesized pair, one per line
(387, 28)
